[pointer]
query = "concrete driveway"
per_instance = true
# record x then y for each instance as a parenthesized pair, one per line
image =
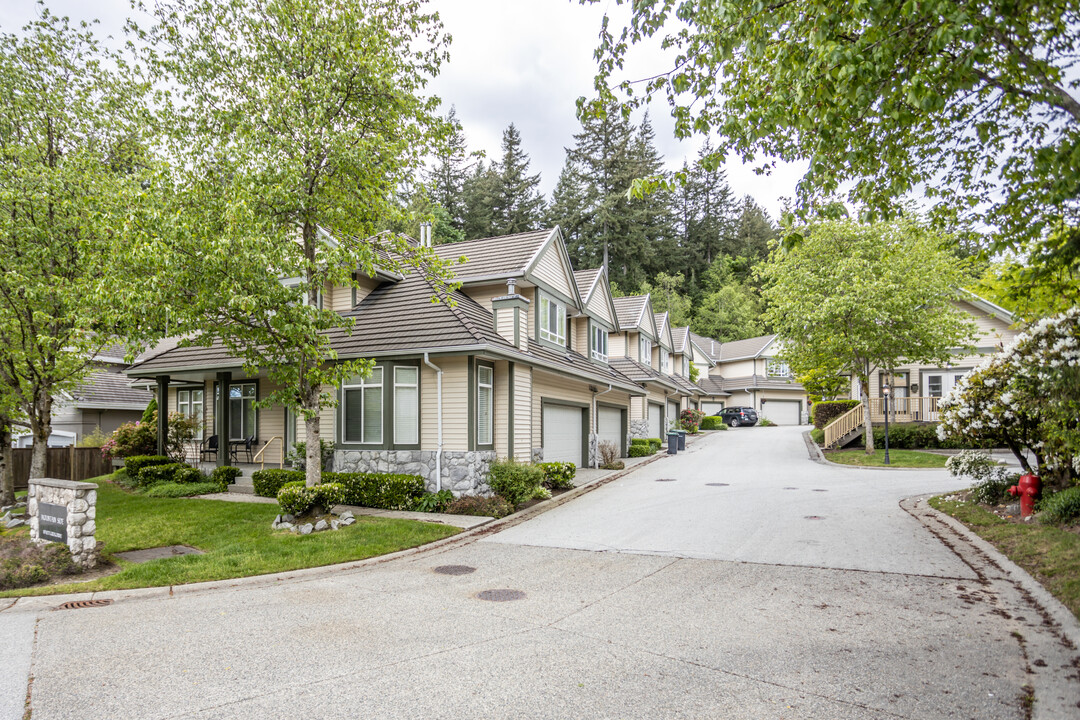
(641, 599)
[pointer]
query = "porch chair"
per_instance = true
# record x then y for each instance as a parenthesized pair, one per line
(244, 446)
(209, 446)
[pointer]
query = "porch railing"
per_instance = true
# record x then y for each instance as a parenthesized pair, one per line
(281, 453)
(843, 425)
(905, 409)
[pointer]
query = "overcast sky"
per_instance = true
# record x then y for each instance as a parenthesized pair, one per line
(520, 61)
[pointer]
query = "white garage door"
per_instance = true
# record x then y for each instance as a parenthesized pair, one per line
(562, 434)
(711, 408)
(672, 415)
(783, 412)
(609, 426)
(656, 414)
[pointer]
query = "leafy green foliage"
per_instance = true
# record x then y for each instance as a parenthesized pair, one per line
(823, 413)
(494, 506)
(181, 489)
(641, 451)
(134, 438)
(558, 475)
(1061, 508)
(436, 502)
(515, 481)
(978, 109)
(388, 491)
(268, 482)
(171, 473)
(918, 436)
(851, 298)
(133, 465)
(23, 563)
(225, 475)
(713, 422)
(299, 499)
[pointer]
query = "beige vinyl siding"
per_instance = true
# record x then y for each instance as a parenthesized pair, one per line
(327, 421)
(637, 408)
(523, 417)
(455, 403)
(484, 294)
(598, 305)
(504, 323)
(739, 368)
(616, 345)
(990, 331)
(338, 298)
(580, 342)
(553, 272)
(501, 420)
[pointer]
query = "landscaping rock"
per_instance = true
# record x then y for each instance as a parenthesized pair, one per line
(285, 526)
(335, 524)
(14, 523)
(348, 521)
(287, 518)
(306, 529)
(321, 525)
(346, 514)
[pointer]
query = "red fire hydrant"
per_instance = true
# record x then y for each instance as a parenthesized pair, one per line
(1028, 488)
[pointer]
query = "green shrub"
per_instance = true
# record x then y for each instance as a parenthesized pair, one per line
(766, 422)
(515, 481)
(818, 436)
(655, 444)
(1061, 508)
(713, 422)
(186, 489)
(492, 506)
(617, 465)
(173, 472)
(387, 491)
(299, 499)
(558, 475)
(914, 436)
(23, 564)
(226, 475)
(823, 413)
(136, 463)
(268, 482)
(433, 502)
(641, 451)
(638, 441)
(993, 490)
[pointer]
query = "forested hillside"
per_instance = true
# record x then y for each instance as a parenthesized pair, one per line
(693, 247)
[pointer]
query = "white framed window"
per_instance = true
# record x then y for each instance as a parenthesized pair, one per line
(665, 360)
(644, 349)
(362, 409)
(685, 366)
(777, 368)
(406, 405)
(599, 343)
(552, 320)
(242, 413)
(189, 403)
(295, 282)
(485, 402)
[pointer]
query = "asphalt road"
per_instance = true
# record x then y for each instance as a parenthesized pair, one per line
(641, 599)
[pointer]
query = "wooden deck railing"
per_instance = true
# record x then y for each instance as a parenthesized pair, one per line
(842, 425)
(281, 453)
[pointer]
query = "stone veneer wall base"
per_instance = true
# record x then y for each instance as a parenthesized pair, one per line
(463, 473)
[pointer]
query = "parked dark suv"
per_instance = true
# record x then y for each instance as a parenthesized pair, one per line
(736, 416)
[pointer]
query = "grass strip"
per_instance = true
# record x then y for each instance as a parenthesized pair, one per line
(897, 458)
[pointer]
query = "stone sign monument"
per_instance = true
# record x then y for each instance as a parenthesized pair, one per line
(64, 511)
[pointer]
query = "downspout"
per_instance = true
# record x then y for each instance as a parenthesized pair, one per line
(596, 426)
(438, 392)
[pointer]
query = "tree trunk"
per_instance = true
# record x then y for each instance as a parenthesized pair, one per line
(7, 477)
(868, 425)
(40, 429)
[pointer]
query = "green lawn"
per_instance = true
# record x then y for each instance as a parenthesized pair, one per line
(236, 538)
(897, 458)
(1051, 555)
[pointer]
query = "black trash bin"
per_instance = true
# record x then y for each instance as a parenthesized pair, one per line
(682, 439)
(672, 442)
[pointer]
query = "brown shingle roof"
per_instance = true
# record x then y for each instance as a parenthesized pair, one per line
(585, 279)
(639, 372)
(712, 385)
(761, 382)
(680, 338)
(685, 385)
(710, 347)
(628, 310)
(579, 364)
(109, 391)
(495, 257)
(748, 348)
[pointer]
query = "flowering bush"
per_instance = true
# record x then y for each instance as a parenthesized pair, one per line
(1026, 398)
(140, 437)
(690, 420)
(991, 480)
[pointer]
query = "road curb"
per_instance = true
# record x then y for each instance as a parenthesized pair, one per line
(818, 456)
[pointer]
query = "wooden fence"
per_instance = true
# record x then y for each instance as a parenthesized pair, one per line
(70, 463)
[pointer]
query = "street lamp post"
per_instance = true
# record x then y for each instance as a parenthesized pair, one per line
(885, 393)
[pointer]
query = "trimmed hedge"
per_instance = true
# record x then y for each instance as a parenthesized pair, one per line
(173, 472)
(713, 422)
(268, 482)
(515, 481)
(641, 450)
(176, 490)
(135, 463)
(823, 413)
(915, 436)
(298, 499)
(226, 475)
(558, 475)
(386, 491)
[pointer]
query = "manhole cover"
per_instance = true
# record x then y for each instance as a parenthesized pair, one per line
(500, 595)
(718, 484)
(791, 488)
(665, 479)
(78, 604)
(455, 569)
(820, 490)
(814, 517)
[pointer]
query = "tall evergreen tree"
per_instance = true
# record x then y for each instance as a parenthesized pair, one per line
(446, 180)
(649, 242)
(567, 209)
(518, 206)
(753, 231)
(480, 194)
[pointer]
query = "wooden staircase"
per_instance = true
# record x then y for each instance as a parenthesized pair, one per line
(846, 428)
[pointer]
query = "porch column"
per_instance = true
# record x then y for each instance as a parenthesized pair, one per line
(221, 412)
(162, 413)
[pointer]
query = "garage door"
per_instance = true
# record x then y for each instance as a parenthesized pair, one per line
(711, 408)
(672, 414)
(656, 422)
(562, 434)
(609, 426)
(783, 412)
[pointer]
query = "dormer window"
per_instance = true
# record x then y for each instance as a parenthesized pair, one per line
(552, 321)
(776, 368)
(295, 283)
(644, 349)
(665, 360)
(598, 348)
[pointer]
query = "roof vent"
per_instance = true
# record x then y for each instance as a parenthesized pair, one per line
(511, 286)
